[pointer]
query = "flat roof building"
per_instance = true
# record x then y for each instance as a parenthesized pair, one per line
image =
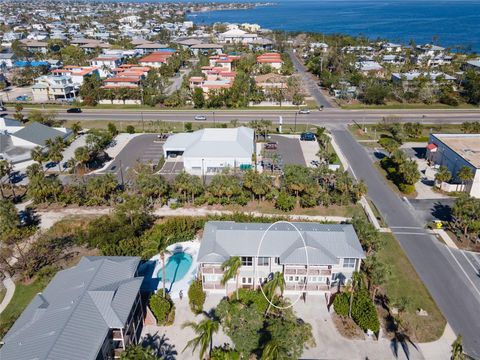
(209, 151)
(456, 151)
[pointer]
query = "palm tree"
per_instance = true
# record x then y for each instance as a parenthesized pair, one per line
(76, 128)
(82, 155)
(231, 269)
(204, 331)
(159, 246)
(55, 155)
(37, 154)
(6, 168)
(443, 174)
(457, 349)
(271, 351)
(355, 284)
(270, 288)
(465, 174)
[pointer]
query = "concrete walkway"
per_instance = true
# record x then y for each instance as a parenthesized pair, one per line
(10, 287)
(48, 218)
(175, 337)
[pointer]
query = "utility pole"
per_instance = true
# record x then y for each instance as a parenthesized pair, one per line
(214, 122)
(121, 173)
(143, 123)
(295, 127)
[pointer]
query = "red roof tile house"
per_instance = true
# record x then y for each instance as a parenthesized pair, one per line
(225, 62)
(77, 73)
(156, 59)
(272, 59)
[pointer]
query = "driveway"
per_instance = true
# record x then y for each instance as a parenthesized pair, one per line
(452, 281)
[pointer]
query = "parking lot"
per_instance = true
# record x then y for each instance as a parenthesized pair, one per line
(172, 166)
(285, 150)
(146, 149)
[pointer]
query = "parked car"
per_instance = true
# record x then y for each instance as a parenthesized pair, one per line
(3, 108)
(271, 146)
(172, 155)
(74, 110)
(22, 98)
(200, 117)
(304, 111)
(307, 136)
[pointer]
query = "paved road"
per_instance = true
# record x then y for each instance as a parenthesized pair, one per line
(309, 82)
(327, 116)
(450, 275)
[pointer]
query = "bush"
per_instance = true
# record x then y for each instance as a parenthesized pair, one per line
(341, 304)
(196, 296)
(253, 298)
(163, 308)
(130, 129)
(364, 312)
(285, 202)
(406, 188)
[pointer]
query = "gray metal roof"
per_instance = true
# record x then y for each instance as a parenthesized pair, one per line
(72, 317)
(38, 133)
(325, 243)
(230, 143)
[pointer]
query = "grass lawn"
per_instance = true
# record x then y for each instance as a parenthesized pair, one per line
(24, 293)
(404, 281)
(373, 133)
(2, 294)
(400, 106)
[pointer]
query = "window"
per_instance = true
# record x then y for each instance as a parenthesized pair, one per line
(349, 262)
(247, 261)
(290, 278)
(263, 261)
(249, 280)
(277, 260)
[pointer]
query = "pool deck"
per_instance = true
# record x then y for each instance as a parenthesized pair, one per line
(189, 247)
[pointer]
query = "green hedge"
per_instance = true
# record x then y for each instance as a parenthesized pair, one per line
(364, 312)
(196, 296)
(363, 309)
(341, 304)
(163, 308)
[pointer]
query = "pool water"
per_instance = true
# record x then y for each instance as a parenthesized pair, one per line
(176, 268)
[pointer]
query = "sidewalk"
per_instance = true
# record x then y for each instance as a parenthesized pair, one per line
(10, 287)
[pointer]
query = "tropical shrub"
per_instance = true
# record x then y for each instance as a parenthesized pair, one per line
(364, 312)
(163, 308)
(285, 202)
(341, 304)
(196, 296)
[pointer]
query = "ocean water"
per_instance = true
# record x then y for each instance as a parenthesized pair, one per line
(450, 23)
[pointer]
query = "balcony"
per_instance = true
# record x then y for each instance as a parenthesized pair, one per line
(213, 286)
(303, 271)
(212, 270)
(117, 335)
(308, 287)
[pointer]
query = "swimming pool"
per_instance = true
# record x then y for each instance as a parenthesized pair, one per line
(176, 268)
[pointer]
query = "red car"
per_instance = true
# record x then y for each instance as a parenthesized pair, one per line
(271, 146)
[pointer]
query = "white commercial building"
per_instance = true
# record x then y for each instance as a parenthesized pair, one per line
(456, 151)
(209, 151)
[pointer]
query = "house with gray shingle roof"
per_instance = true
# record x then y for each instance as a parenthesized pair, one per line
(37, 134)
(91, 311)
(313, 257)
